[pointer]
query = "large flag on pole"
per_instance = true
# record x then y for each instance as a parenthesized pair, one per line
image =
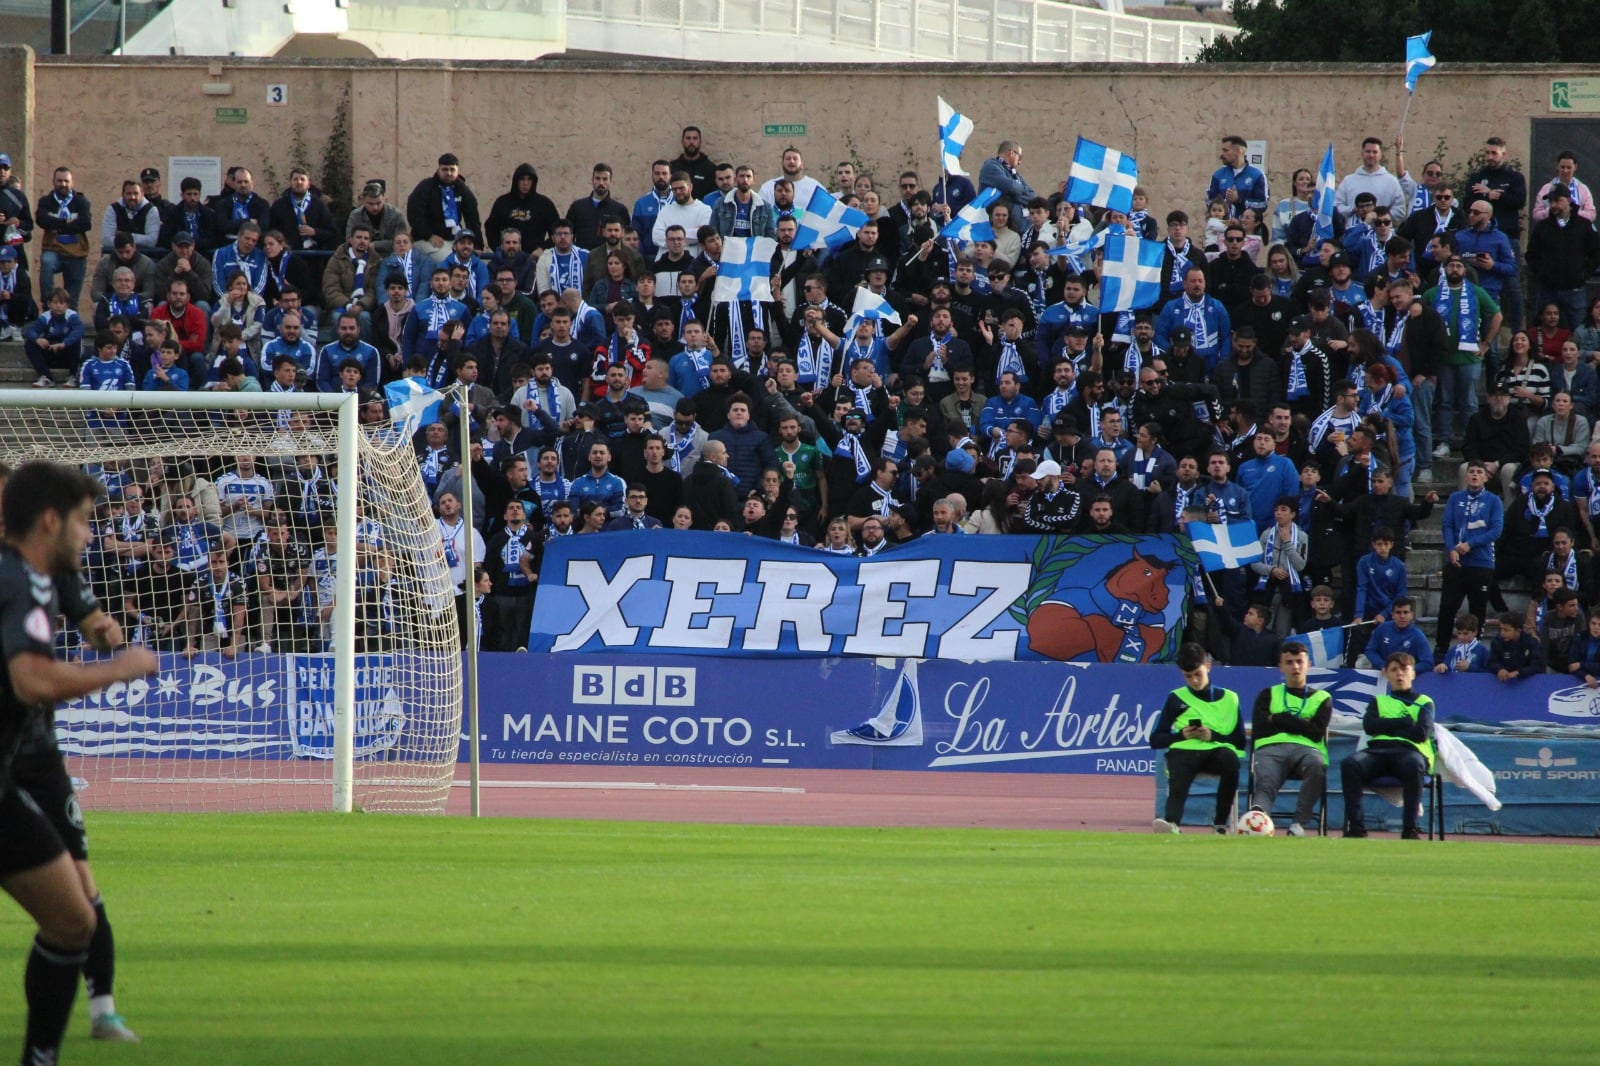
(954, 129)
(870, 307)
(1327, 183)
(1130, 273)
(412, 403)
(1326, 646)
(827, 223)
(745, 270)
(1418, 59)
(1102, 177)
(972, 222)
(1224, 545)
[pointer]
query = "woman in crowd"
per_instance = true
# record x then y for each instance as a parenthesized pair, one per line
(1283, 271)
(1526, 378)
(1304, 184)
(1548, 336)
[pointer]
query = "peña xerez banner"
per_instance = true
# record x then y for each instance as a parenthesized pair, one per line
(972, 598)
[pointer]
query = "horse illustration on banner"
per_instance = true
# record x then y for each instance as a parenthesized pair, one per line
(1103, 600)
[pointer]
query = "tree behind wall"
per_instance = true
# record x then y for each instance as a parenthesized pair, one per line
(1375, 31)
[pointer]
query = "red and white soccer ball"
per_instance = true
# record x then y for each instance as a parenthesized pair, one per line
(1256, 824)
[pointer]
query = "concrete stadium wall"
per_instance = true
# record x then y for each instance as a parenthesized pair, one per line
(563, 115)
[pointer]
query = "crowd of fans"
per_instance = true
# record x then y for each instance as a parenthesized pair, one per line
(1302, 383)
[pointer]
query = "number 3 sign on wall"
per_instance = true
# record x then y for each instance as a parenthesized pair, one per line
(277, 95)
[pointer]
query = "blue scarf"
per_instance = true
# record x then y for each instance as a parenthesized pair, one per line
(679, 447)
(115, 305)
(1569, 570)
(1462, 653)
(849, 447)
(241, 209)
(1180, 264)
(1299, 387)
(1010, 362)
(452, 209)
(702, 366)
(566, 270)
(813, 366)
(1464, 314)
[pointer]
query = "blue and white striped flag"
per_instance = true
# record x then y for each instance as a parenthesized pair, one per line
(1130, 273)
(1325, 645)
(827, 223)
(1224, 546)
(1418, 59)
(412, 403)
(1102, 177)
(972, 222)
(954, 129)
(869, 307)
(1327, 183)
(745, 270)
(1076, 250)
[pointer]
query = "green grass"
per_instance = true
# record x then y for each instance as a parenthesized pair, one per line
(381, 940)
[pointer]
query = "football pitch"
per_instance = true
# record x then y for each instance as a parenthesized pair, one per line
(384, 940)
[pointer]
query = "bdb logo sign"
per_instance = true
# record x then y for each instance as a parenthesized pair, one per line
(634, 686)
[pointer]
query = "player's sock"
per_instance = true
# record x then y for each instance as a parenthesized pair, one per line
(51, 984)
(101, 965)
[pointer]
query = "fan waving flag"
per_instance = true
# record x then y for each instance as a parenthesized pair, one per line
(1130, 273)
(972, 222)
(1224, 546)
(827, 223)
(870, 307)
(954, 129)
(745, 271)
(1327, 183)
(1102, 177)
(1418, 59)
(412, 403)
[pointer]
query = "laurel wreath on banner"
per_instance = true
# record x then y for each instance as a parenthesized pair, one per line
(1054, 556)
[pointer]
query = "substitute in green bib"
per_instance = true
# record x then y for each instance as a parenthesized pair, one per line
(1289, 728)
(1201, 729)
(1400, 726)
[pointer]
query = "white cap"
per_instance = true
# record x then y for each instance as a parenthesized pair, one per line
(1048, 468)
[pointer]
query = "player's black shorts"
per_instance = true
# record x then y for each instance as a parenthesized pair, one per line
(43, 775)
(27, 839)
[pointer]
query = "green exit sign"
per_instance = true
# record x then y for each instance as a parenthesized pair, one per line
(233, 116)
(784, 129)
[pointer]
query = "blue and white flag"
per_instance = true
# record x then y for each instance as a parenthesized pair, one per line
(869, 307)
(745, 271)
(1076, 250)
(412, 403)
(1418, 59)
(1102, 177)
(1130, 273)
(1325, 645)
(972, 222)
(1327, 183)
(954, 129)
(1224, 546)
(827, 223)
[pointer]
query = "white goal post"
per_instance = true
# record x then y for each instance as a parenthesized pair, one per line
(251, 599)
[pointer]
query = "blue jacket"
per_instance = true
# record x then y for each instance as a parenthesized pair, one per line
(1388, 638)
(1378, 583)
(1252, 186)
(724, 212)
(749, 452)
(645, 210)
(477, 273)
(997, 413)
(1523, 656)
(1211, 343)
(1584, 386)
(1398, 411)
(1231, 502)
(227, 260)
(1469, 242)
(995, 174)
(1265, 480)
(326, 375)
(1053, 324)
(421, 335)
(66, 330)
(1474, 520)
(608, 489)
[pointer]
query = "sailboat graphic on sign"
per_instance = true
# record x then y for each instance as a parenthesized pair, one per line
(898, 722)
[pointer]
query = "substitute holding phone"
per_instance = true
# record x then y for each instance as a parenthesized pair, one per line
(1203, 733)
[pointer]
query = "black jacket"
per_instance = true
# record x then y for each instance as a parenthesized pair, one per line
(1563, 257)
(283, 219)
(532, 215)
(425, 210)
(709, 493)
(587, 217)
(1058, 514)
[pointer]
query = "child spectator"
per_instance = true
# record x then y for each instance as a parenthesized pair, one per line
(1254, 645)
(1284, 548)
(55, 339)
(1584, 653)
(1468, 655)
(167, 375)
(1380, 578)
(1515, 653)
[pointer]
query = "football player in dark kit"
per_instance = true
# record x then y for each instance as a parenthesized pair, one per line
(47, 509)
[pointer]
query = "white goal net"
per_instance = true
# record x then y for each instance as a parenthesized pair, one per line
(219, 543)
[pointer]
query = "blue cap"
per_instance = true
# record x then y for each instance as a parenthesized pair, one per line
(7, 253)
(5, 160)
(959, 460)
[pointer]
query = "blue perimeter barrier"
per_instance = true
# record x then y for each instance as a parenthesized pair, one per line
(887, 714)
